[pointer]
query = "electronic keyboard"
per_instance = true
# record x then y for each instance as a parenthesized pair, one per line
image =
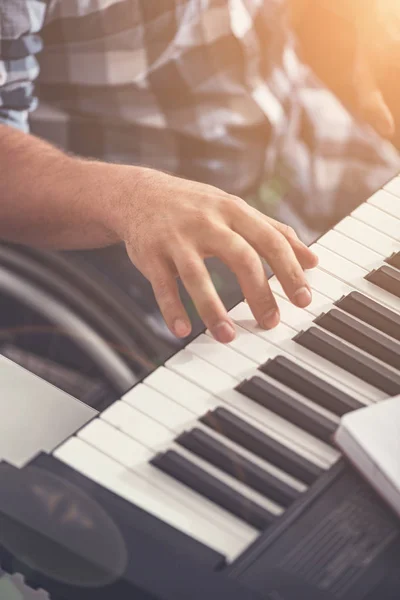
(216, 475)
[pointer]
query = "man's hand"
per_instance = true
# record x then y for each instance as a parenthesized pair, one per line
(170, 225)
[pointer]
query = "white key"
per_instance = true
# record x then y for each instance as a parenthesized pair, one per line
(251, 346)
(353, 251)
(386, 202)
(216, 382)
(319, 303)
(291, 315)
(128, 485)
(220, 355)
(114, 443)
(136, 457)
(393, 187)
(233, 483)
(368, 236)
(327, 284)
(200, 372)
(324, 368)
(137, 425)
(158, 407)
(193, 397)
(353, 275)
(243, 316)
(378, 219)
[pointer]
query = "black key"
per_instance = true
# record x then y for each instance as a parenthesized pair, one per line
(261, 444)
(288, 407)
(361, 335)
(207, 485)
(351, 359)
(394, 260)
(309, 385)
(236, 465)
(371, 312)
(386, 278)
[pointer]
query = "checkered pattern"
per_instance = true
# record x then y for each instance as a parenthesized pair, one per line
(212, 90)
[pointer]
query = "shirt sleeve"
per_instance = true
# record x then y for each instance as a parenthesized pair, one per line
(20, 42)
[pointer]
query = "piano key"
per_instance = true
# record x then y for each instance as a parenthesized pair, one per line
(242, 315)
(350, 249)
(204, 483)
(393, 187)
(363, 336)
(136, 425)
(371, 312)
(136, 457)
(394, 260)
(385, 201)
(386, 278)
(327, 284)
(351, 359)
(311, 386)
(291, 406)
(220, 455)
(320, 302)
(333, 373)
(114, 443)
(367, 236)
(251, 346)
(194, 398)
(158, 407)
(200, 372)
(128, 485)
(260, 443)
(293, 316)
(377, 219)
(353, 275)
(220, 355)
(221, 385)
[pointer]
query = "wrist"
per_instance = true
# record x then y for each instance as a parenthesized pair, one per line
(112, 197)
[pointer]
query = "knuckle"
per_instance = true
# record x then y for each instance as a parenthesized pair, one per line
(231, 204)
(289, 232)
(247, 261)
(295, 277)
(277, 246)
(162, 288)
(190, 270)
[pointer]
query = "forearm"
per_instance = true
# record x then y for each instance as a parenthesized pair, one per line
(49, 199)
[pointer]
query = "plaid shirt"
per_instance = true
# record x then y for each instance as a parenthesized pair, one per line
(211, 90)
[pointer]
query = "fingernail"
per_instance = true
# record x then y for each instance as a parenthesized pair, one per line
(302, 297)
(181, 328)
(224, 332)
(270, 319)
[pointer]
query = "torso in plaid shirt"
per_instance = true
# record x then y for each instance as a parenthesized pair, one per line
(208, 89)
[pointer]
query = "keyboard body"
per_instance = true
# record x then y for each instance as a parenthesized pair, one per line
(215, 476)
